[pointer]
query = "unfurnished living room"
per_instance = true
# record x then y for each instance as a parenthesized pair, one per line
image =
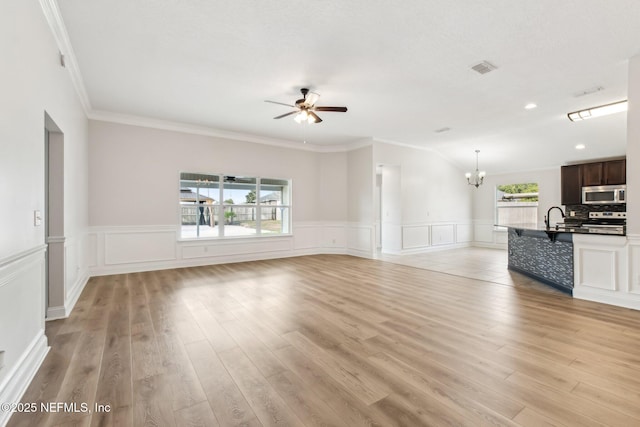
(320, 213)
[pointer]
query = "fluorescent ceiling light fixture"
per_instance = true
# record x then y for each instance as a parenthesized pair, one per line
(601, 110)
(580, 147)
(530, 106)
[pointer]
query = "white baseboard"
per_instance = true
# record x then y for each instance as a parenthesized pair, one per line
(358, 253)
(17, 381)
(618, 299)
(55, 313)
(62, 312)
(435, 248)
(489, 245)
(74, 293)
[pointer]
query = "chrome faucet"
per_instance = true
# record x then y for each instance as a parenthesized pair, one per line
(547, 219)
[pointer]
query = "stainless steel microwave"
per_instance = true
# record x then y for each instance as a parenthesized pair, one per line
(604, 195)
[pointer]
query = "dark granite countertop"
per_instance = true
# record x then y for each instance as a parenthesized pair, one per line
(554, 230)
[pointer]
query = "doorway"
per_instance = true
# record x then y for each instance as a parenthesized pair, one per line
(390, 209)
(54, 220)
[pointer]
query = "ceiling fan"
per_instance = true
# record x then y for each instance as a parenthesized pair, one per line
(306, 107)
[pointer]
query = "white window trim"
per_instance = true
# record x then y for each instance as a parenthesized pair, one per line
(258, 206)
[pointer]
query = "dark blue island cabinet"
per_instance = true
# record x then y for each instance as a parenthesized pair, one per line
(544, 256)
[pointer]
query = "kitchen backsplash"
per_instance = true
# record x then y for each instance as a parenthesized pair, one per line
(582, 211)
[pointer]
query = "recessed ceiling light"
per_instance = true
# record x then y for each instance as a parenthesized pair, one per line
(530, 106)
(580, 147)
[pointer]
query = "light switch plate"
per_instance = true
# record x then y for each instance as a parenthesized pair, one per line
(37, 218)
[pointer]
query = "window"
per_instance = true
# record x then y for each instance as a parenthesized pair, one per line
(233, 206)
(517, 203)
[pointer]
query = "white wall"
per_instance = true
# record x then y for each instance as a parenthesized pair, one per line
(34, 82)
(633, 175)
(134, 187)
(333, 182)
(435, 199)
(361, 183)
(633, 147)
(135, 171)
(360, 204)
(390, 209)
(484, 201)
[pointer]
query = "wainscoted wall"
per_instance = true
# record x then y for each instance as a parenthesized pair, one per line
(486, 235)
(435, 236)
(416, 237)
(22, 305)
(606, 269)
(360, 240)
(634, 265)
(117, 250)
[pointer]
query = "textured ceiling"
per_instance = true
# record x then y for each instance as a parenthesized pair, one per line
(402, 69)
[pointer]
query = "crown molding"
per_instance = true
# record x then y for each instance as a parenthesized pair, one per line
(134, 120)
(54, 19)
(52, 13)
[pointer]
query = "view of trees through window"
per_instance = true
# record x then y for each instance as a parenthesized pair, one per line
(517, 203)
(250, 206)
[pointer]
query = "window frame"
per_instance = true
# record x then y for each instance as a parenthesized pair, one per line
(496, 208)
(221, 208)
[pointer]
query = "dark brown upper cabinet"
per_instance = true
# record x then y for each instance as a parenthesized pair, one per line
(571, 188)
(615, 172)
(592, 174)
(612, 172)
(574, 177)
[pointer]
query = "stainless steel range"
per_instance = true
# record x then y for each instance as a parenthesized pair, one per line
(606, 223)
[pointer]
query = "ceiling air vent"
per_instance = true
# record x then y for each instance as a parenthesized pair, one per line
(442, 130)
(588, 91)
(484, 67)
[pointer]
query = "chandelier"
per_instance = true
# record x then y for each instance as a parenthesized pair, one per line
(477, 177)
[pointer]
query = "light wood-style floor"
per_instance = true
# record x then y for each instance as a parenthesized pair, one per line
(336, 340)
(472, 262)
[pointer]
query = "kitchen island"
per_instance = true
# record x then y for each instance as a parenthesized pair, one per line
(542, 254)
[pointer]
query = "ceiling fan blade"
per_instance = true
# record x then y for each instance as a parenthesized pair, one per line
(315, 116)
(338, 109)
(281, 103)
(311, 98)
(286, 114)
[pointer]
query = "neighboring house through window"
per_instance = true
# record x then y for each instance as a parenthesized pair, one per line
(216, 205)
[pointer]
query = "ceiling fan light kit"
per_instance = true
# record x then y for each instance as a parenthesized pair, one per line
(306, 107)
